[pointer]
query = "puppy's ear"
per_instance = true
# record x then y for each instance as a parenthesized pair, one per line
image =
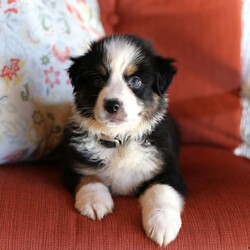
(76, 70)
(165, 71)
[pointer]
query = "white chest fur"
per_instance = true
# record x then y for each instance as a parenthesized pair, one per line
(125, 167)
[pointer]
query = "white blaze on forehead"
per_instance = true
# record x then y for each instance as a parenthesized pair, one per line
(120, 53)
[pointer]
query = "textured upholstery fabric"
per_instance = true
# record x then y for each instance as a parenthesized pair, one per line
(204, 37)
(38, 213)
(109, 17)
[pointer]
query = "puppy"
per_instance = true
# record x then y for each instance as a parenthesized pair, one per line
(120, 140)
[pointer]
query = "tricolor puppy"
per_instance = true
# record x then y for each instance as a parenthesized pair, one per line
(120, 140)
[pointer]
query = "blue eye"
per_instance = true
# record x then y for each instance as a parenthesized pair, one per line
(135, 82)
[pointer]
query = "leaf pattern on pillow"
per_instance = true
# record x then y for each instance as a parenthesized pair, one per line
(37, 39)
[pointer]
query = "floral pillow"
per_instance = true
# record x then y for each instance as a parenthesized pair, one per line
(37, 38)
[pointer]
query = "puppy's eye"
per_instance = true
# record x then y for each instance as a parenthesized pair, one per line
(98, 81)
(135, 82)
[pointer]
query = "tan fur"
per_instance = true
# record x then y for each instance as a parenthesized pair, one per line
(130, 70)
(87, 180)
(102, 70)
(152, 109)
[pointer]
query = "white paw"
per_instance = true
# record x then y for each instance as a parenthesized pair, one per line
(161, 213)
(94, 201)
(162, 226)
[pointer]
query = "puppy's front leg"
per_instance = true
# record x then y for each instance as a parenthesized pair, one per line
(93, 198)
(161, 213)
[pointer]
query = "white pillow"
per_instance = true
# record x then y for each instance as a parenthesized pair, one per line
(244, 148)
(36, 40)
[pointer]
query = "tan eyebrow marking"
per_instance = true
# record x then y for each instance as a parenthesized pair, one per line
(102, 70)
(130, 70)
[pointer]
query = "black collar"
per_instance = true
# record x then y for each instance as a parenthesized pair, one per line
(108, 142)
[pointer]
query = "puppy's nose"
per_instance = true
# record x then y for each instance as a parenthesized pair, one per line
(112, 105)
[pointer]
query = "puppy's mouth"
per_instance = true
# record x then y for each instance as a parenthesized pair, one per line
(112, 119)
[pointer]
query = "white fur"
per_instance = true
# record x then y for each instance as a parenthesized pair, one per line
(125, 168)
(128, 113)
(161, 213)
(120, 53)
(117, 87)
(94, 201)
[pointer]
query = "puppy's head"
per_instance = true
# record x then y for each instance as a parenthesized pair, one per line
(119, 85)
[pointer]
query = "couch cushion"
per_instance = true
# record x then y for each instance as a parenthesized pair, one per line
(204, 37)
(109, 16)
(38, 213)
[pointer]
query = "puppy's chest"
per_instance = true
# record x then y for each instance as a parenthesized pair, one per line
(124, 168)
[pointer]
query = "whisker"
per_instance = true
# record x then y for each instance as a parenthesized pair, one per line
(89, 73)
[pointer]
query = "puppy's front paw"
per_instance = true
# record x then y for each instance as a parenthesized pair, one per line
(162, 225)
(161, 213)
(94, 201)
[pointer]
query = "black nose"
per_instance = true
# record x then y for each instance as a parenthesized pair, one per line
(112, 105)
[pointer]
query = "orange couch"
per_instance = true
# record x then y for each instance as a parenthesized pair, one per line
(204, 36)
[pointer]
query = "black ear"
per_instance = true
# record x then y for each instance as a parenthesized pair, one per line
(76, 71)
(165, 71)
